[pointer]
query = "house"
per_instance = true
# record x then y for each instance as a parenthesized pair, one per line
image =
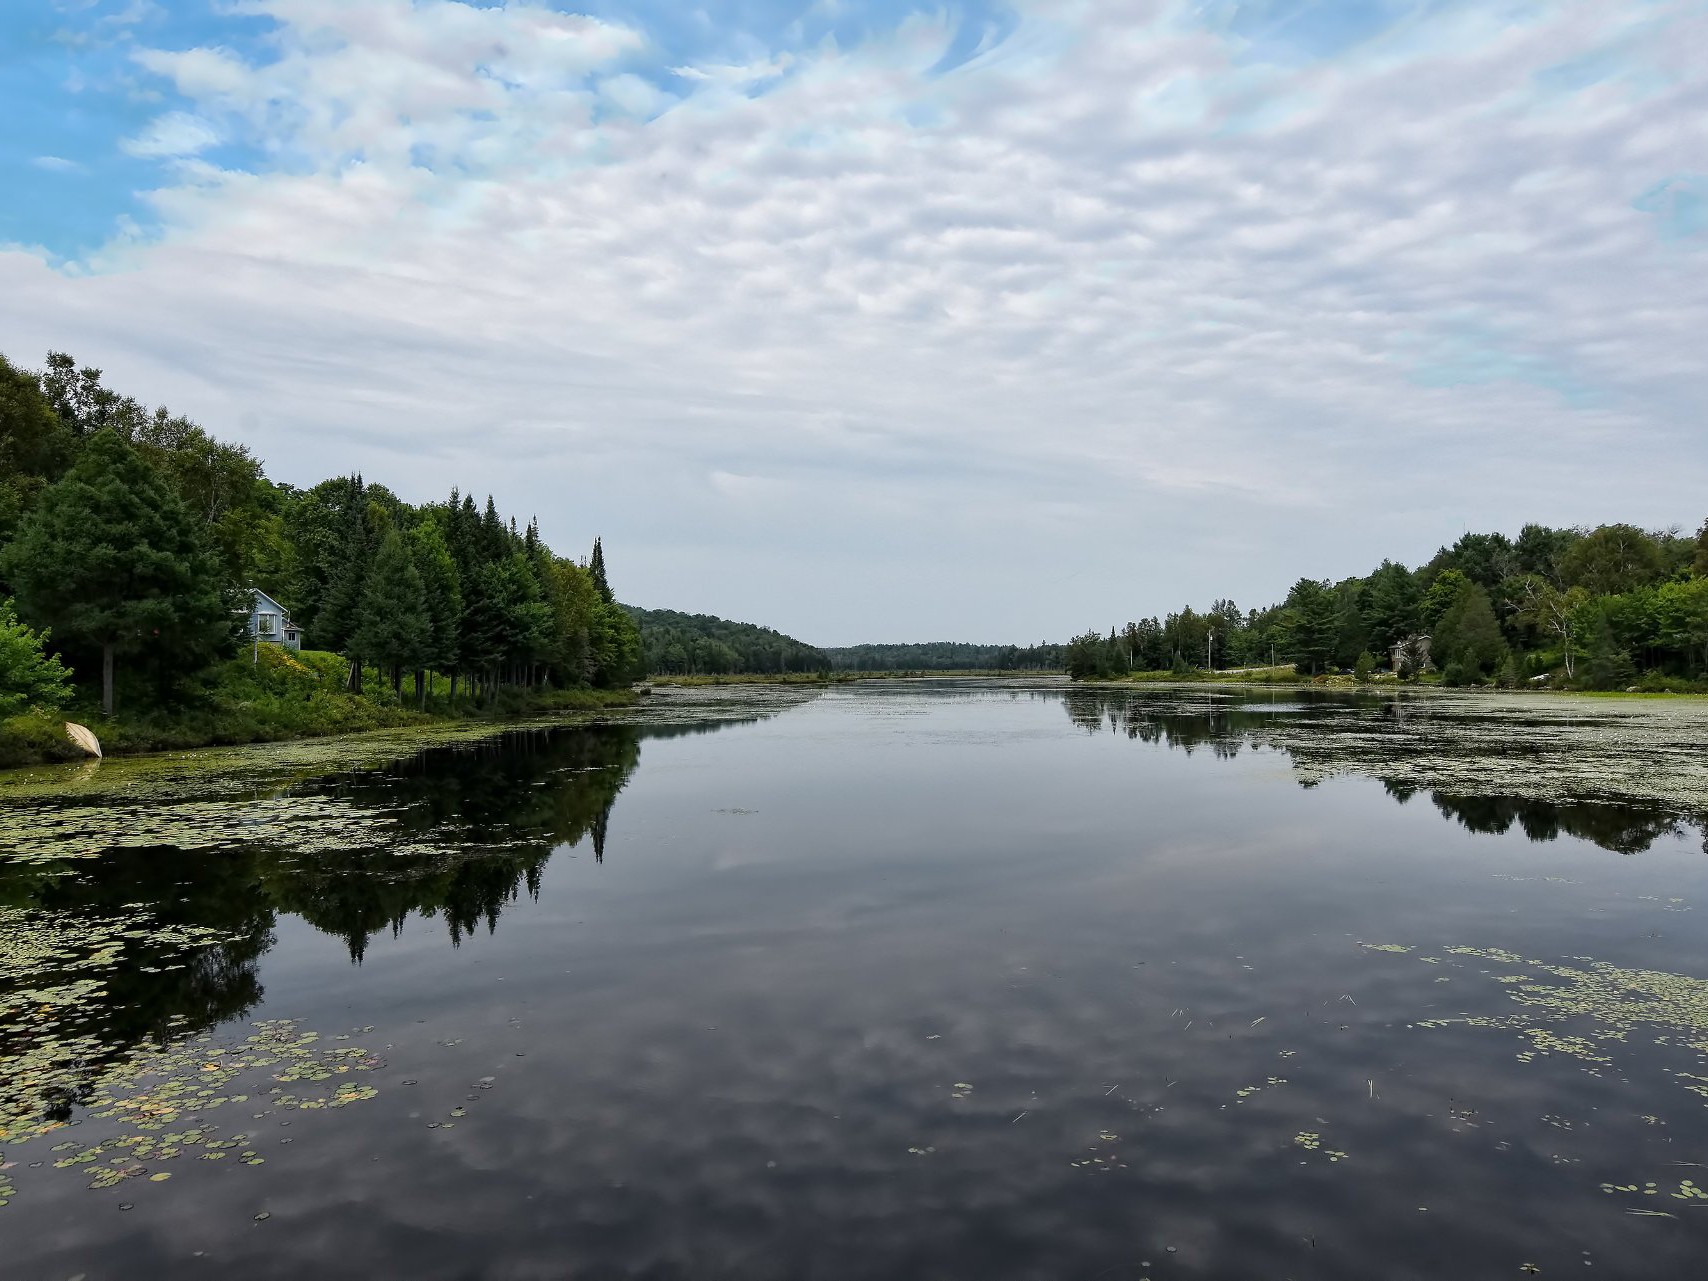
(269, 623)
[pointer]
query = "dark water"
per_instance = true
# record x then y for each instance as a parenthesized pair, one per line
(902, 982)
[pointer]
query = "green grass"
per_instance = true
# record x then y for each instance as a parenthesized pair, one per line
(280, 697)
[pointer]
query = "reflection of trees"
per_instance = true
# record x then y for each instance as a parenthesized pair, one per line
(141, 946)
(1227, 723)
(171, 944)
(478, 824)
(1620, 828)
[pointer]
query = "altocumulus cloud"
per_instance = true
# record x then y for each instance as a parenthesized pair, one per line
(994, 333)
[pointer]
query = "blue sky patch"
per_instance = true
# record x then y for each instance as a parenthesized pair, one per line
(1679, 205)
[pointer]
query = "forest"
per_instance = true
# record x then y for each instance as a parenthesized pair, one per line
(677, 644)
(1610, 608)
(130, 537)
(946, 656)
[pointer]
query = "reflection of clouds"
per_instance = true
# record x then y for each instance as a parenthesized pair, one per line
(703, 1072)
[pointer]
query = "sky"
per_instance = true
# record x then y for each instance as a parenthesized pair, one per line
(889, 321)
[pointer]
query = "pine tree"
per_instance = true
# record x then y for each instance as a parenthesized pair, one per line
(1311, 623)
(393, 630)
(1467, 643)
(443, 599)
(596, 567)
(111, 559)
(341, 607)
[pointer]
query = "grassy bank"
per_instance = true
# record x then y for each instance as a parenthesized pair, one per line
(280, 697)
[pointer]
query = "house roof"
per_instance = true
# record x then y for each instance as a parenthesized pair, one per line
(262, 601)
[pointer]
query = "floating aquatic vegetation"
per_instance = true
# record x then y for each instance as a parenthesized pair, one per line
(55, 971)
(1312, 1141)
(161, 1099)
(961, 1090)
(1588, 1009)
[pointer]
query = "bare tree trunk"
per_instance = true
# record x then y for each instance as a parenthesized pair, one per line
(107, 679)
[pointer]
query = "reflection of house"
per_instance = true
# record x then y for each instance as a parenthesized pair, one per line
(268, 621)
(1411, 654)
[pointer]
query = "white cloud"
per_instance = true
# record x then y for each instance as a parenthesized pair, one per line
(58, 164)
(1107, 298)
(177, 133)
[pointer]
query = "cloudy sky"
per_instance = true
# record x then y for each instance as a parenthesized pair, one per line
(892, 320)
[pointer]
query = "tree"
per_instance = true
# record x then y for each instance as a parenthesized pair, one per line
(1611, 560)
(443, 599)
(1467, 643)
(1605, 664)
(1440, 596)
(1700, 568)
(596, 567)
(110, 558)
(1550, 610)
(1310, 623)
(1391, 606)
(1540, 549)
(393, 629)
(340, 611)
(29, 677)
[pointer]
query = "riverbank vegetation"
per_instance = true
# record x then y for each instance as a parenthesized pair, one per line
(1610, 608)
(131, 542)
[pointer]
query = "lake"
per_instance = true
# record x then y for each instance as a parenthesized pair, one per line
(946, 979)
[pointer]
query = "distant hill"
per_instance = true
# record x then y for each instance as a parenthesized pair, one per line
(946, 656)
(700, 644)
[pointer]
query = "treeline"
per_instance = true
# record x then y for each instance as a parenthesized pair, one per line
(1603, 608)
(677, 644)
(946, 656)
(128, 536)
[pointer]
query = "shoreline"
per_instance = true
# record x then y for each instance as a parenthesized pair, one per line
(38, 739)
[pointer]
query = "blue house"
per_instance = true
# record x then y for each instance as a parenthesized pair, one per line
(269, 623)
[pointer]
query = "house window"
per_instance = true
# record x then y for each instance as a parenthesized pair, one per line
(264, 624)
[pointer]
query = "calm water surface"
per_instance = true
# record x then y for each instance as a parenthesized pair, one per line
(900, 981)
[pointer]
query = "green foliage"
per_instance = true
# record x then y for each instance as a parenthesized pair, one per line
(699, 644)
(1392, 606)
(1467, 644)
(1606, 665)
(109, 559)
(394, 630)
(1364, 668)
(28, 676)
(1440, 597)
(1611, 560)
(132, 530)
(1094, 657)
(1310, 624)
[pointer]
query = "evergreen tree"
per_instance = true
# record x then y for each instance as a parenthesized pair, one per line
(1605, 664)
(110, 559)
(1391, 607)
(340, 608)
(1467, 643)
(443, 599)
(393, 629)
(1310, 623)
(596, 567)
